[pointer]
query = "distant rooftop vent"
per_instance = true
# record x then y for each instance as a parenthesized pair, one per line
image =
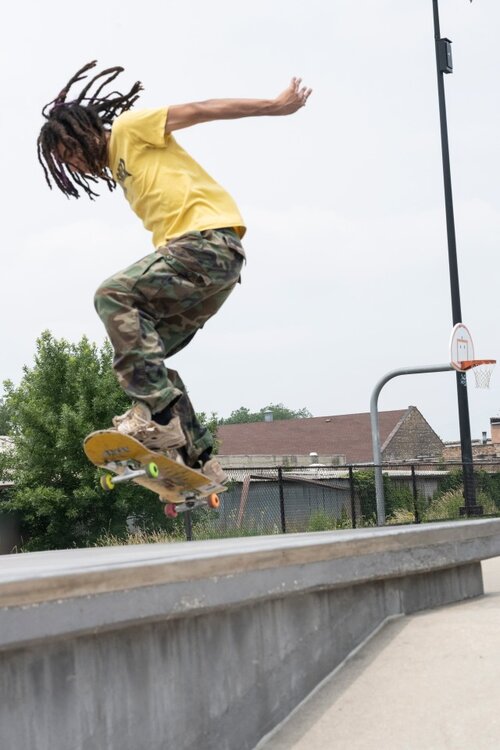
(268, 416)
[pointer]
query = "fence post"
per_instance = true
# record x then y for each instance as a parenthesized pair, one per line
(282, 500)
(353, 497)
(188, 526)
(415, 494)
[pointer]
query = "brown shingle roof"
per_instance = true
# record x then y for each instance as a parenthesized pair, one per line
(347, 434)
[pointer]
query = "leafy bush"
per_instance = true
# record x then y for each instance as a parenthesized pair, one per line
(364, 488)
(447, 505)
(398, 496)
(452, 481)
(451, 492)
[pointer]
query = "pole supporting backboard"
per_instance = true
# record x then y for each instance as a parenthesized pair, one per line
(461, 359)
(376, 446)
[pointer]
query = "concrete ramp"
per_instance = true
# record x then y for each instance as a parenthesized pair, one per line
(207, 644)
(429, 680)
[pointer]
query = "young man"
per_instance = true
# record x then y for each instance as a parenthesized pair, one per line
(153, 308)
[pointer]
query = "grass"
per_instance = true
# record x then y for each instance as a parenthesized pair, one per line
(401, 516)
(203, 527)
(139, 537)
(448, 505)
(322, 521)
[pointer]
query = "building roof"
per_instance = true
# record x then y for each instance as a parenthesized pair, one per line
(347, 434)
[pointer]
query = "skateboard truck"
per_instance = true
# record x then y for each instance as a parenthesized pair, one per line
(173, 509)
(192, 500)
(108, 481)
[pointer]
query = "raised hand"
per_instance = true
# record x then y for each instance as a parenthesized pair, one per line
(292, 98)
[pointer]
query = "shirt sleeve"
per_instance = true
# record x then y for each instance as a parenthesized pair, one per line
(146, 125)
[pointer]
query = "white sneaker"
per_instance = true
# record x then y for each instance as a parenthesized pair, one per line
(137, 423)
(213, 470)
(135, 418)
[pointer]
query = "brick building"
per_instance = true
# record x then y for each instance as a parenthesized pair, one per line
(333, 440)
(486, 449)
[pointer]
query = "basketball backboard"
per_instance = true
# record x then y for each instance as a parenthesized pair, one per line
(461, 347)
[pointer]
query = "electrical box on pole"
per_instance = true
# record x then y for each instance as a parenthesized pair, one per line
(445, 58)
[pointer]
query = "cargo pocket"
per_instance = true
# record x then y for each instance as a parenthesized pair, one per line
(178, 268)
(232, 241)
(162, 286)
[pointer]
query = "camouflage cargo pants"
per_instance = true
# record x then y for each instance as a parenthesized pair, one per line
(153, 309)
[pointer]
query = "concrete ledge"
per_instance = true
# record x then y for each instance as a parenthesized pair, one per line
(207, 644)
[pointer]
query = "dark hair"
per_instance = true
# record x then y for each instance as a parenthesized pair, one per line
(82, 124)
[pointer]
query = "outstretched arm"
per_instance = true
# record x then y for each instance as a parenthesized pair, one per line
(289, 101)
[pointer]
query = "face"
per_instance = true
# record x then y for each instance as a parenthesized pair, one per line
(73, 159)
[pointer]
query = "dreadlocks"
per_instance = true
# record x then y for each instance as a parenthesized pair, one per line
(78, 126)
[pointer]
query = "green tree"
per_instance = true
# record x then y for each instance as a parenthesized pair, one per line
(5, 417)
(70, 391)
(244, 415)
(211, 423)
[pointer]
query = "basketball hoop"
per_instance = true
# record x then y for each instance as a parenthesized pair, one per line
(482, 369)
(462, 356)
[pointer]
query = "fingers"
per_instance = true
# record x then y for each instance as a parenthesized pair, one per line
(301, 92)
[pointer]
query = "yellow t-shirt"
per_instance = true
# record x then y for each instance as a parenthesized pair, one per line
(165, 187)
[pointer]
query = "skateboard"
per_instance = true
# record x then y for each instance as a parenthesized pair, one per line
(127, 460)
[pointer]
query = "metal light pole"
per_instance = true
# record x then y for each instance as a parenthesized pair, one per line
(444, 65)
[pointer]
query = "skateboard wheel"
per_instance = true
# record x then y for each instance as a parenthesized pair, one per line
(152, 470)
(170, 510)
(213, 500)
(107, 482)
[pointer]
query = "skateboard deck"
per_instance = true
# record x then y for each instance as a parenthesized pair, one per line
(181, 487)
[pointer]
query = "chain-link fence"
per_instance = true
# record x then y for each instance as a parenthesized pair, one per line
(283, 500)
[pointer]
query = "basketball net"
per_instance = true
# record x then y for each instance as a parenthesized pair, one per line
(482, 374)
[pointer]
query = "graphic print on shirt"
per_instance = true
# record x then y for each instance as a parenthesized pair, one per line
(122, 174)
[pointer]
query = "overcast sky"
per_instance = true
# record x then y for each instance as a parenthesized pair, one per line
(347, 274)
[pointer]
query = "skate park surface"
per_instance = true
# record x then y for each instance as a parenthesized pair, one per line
(428, 681)
(365, 638)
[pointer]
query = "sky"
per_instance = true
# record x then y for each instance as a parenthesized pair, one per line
(347, 275)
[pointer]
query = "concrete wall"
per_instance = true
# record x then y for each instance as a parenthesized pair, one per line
(206, 644)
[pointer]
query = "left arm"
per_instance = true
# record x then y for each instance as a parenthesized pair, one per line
(289, 101)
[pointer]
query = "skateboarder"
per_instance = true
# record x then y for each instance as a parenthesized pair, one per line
(153, 308)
